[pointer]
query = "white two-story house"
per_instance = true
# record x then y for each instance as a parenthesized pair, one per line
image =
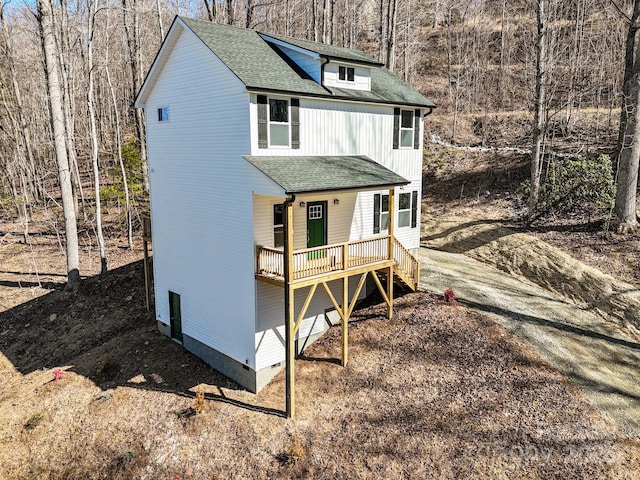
(285, 182)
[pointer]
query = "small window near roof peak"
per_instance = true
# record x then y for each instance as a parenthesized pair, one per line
(163, 114)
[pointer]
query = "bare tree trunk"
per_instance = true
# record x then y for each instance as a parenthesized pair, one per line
(45, 13)
(160, 25)
(61, 27)
(314, 14)
(249, 18)
(132, 33)
(229, 5)
(629, 153)
(123, 171)
(24, 137)
(629, 137)
(94, 137)
(391, 34)
(629, 57)
(539, 114)
(210, 6)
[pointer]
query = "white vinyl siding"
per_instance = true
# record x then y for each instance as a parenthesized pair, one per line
(195, 164)
(361, 76)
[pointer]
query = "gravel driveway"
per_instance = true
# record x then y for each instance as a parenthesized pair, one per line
(601, 359)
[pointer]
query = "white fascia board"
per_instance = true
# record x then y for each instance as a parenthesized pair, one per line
(295, 48)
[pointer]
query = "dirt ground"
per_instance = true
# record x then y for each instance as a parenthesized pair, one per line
(437, 392)
(495, 177)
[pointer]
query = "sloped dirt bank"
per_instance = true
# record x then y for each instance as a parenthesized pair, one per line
(538, 262)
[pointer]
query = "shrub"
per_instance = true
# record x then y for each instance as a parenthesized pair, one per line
(578, 185)
(449, 296)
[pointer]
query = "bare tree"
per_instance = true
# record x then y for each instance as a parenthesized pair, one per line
(93, 11)
(539, 112)
(629, 143)
(45, 21)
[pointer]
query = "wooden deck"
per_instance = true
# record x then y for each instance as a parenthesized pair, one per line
(331, 262)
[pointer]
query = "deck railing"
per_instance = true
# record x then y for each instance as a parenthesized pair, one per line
(324, 259)
(407, 265)
(343, 256)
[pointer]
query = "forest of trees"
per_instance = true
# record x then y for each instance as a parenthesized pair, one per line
(70, 137)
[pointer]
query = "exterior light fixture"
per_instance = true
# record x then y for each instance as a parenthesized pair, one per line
(302, 204)
(336, 201)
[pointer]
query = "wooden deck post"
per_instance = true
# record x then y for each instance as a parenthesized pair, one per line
(390, 251)
(147, 276)
(289, 312)
(345, 320)
(146, 238)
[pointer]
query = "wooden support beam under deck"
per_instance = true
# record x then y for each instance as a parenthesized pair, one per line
(289, 315)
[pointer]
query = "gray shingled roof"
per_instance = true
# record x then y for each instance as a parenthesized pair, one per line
(259, 66)
(251, 59)
(323, 173)
(328, 50)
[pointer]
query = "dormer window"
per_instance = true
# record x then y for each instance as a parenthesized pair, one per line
(346, 74)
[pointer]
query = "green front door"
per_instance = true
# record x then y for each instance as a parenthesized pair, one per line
(316, 226)
(175, 316)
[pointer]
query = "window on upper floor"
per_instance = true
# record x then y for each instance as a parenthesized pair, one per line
(278, 122)
(278, 226)
(163, 114)
(346, 74)
(406, 128)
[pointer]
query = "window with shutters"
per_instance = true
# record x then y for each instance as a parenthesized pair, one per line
(278, 122)
(408, 209)
(380, 213)
(406, 128)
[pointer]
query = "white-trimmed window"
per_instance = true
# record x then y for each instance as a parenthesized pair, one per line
(278, 225)
(163, 114)
(406, 128)
(380, 212)
(278, 122)
(346, 74)
(279, 125)
(408, 209)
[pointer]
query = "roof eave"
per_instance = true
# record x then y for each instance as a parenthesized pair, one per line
(255, 89)
(348, 189)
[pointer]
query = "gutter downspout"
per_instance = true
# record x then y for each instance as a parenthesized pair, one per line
(288, 328)
(326, 60)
